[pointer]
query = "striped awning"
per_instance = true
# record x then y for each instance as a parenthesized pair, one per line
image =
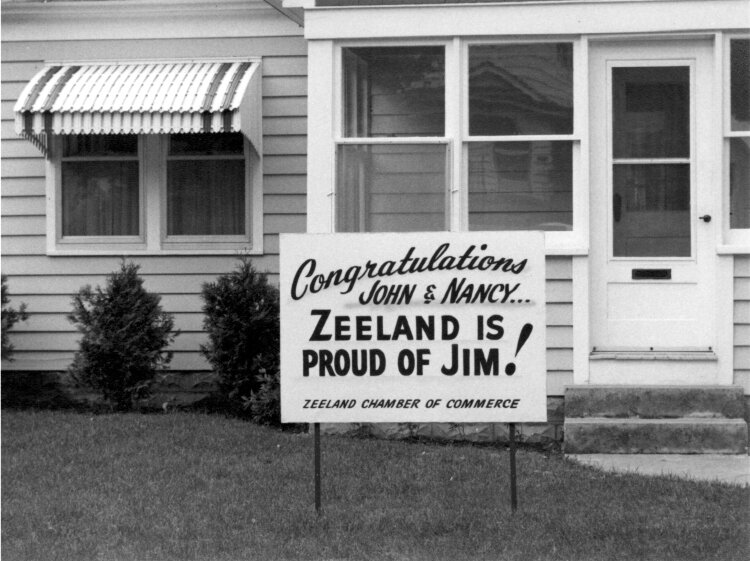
(139, 98)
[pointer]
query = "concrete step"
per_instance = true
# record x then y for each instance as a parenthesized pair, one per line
(654, 436)
(652, 402)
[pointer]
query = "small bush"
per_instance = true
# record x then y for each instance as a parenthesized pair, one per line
(265, 403)
(124, 333)
(242, 321)
(10, 317)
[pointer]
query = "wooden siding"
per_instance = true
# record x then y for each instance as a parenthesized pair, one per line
(742, 322)
(47, 340)
(559, 292)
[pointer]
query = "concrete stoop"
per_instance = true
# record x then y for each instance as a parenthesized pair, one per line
(655, 420)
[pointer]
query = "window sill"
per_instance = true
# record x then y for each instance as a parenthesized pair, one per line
(733, 249)
(88, 252)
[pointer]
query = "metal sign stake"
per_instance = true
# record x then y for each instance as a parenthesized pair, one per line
(512, 438)
(316, 440)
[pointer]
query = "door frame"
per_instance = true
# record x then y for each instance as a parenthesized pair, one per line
(711, 174)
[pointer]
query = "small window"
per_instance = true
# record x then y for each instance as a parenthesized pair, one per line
(100, 187)
(206, 185)
(739, 143)
(521, 89)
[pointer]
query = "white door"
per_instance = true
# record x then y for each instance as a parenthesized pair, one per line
(652, 200)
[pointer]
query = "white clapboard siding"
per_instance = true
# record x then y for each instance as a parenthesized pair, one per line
(559, 302)
(742, 322)
(46, 341)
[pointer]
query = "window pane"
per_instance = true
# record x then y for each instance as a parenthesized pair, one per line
(391, 188)
(651, 109)
(651, 210)
(521, 185)
(394, 91)
(205, 197)
(739, 182)
(206, 144)
(100, 198)
(740, 77)
(100, 145)
(521, 89)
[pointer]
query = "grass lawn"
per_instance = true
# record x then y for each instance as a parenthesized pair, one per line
(189, 486)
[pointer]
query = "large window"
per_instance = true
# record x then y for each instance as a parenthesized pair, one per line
(153, 193)
(389, 178)
(427, 146)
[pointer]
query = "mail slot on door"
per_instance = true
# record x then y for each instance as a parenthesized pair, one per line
(650, 274)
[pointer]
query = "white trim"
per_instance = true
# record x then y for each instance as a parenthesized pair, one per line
(324, 74)
(581, 319)
(581, 186)
(734, 249)
(724, 318)
(528, 18)
(143, 19)
(454, 122)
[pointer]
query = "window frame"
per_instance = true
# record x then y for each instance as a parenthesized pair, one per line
(54, 175)
(457, 138)
(575, 240)
(204, 241)
(339, 120)
(153, 238)
(736, 240)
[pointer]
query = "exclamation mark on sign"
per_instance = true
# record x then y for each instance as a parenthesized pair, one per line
(526, 330)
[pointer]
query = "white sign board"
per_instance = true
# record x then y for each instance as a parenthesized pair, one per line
(428, 327)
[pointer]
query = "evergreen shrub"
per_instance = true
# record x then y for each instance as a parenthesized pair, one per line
(124, 334)
(242, 321)
(10, 316)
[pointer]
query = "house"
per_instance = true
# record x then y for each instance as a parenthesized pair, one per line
(621, 128)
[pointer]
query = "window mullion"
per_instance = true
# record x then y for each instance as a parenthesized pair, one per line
(153, 188)
(453, 123)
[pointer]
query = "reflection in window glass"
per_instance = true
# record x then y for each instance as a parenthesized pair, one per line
(740, 83)
(394, 91)
(651, 108)
(521, 89)
(651, 210)
(391, 188)
(100, 198)
(739, 182)
(521, 185)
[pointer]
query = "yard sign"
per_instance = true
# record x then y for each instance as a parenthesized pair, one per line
(428, 327)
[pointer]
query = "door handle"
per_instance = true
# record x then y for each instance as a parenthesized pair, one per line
(706, 218)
